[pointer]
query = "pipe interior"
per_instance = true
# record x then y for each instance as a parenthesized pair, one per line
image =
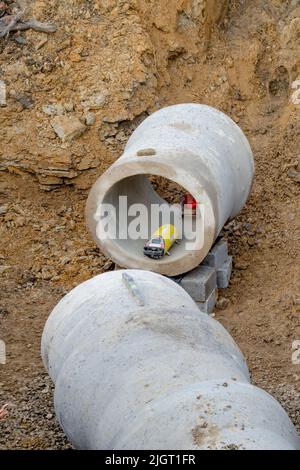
(139, 189)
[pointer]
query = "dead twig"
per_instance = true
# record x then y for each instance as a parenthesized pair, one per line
(10, 23)
(14, 20)
(35, 25)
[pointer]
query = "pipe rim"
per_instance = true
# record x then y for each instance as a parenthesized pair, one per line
(127, 166)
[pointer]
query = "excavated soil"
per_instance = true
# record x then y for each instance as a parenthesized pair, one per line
(109, 65)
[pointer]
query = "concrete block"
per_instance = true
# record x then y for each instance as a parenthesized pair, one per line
(224, 273)
(200, 282)
(218, 255)
(209, 305)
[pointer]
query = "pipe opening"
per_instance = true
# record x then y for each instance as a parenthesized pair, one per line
(142, 204)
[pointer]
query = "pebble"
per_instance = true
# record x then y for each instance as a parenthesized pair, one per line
(53, 109)
(109, 265)
(20, 40)
(90, 119)
(96, 101)
(242, 266)
(25, 101)
(294, 175)
(3, 209)
(223, 303)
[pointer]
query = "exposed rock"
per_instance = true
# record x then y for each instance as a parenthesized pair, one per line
(3, 209)
(294, 175)
(96, 101)
(25, 101)
(49, 180)
(54, 109)
(90, 119)
(67, 127)
(87, 162)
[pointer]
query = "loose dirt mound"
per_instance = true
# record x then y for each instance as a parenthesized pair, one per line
(108, 66)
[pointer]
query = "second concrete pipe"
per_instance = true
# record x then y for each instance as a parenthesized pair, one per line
(136, 365)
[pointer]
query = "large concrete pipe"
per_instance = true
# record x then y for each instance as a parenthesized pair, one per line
(199, 148)
(136, 365)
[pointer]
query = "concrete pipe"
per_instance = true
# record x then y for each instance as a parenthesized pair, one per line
(136, 365)
(199, 148)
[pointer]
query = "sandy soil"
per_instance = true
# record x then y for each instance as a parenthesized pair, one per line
(109, 65)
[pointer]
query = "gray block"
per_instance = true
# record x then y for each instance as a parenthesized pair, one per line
(209, 305)
(224, 273)
(218, 255)
(200, 282)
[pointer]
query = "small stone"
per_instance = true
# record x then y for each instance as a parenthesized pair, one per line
(96, 101)
(67, 127)
(3, 269)
(90, 119)
(223, 303)
(109, 265)
(121, 137)
(25, 101)
(49, 416)
(294, 175)
(20, 40)
(242, 266)
(3, 209)
(53, 109)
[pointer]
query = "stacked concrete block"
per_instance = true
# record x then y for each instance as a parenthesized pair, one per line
(209, 305)
(200, 282)
(218, 255)
(214, 272)
(224, 273)
(219, 259)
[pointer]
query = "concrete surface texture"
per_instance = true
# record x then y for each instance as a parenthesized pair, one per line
(156, 374)
(199, 148)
